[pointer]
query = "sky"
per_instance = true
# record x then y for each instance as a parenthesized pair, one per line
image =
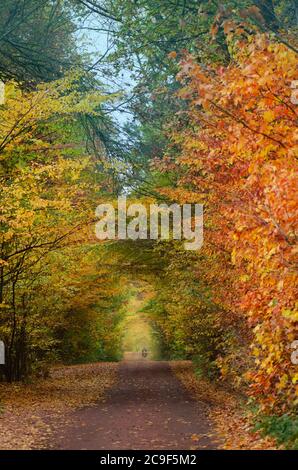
(99, 43)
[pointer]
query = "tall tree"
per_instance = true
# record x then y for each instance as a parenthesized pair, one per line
(36, 40)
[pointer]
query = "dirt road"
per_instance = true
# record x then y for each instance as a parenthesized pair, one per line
(146, 409)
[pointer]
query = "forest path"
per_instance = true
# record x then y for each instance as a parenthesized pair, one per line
(147, 408)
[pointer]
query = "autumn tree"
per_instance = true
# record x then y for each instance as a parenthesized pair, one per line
(36, 40)
(47, 195)
(239, 156)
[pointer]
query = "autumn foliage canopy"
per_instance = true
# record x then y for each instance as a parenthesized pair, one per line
(238, 155)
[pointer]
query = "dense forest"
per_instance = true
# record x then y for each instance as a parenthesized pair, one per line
(165, 101)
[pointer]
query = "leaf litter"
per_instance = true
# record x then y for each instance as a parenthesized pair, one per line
(30, 413)
(232, 424)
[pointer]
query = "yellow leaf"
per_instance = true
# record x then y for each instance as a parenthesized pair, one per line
(269, 116)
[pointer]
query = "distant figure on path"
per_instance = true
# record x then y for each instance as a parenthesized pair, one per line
(144, 352)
